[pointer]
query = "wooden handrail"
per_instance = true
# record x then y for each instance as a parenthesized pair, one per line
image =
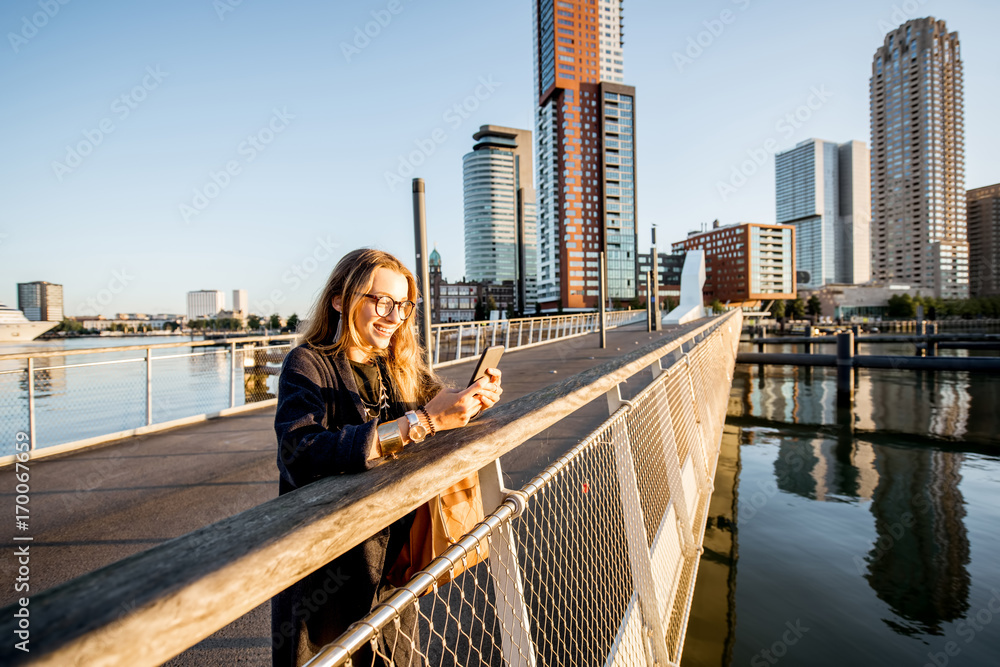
(151, 606)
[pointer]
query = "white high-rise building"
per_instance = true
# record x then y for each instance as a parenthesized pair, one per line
(500, 238)
(918, 161)
(205, 303)
(822, 188)
(240, 303)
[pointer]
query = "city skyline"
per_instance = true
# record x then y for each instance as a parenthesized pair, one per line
(252, 140)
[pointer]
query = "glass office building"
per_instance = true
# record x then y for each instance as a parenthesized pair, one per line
(500, 237)
(822, 189)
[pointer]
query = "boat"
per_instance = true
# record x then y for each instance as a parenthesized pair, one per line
(16, 328)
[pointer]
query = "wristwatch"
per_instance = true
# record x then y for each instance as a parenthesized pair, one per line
(417, 431)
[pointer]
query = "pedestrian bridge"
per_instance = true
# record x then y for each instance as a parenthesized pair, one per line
(593, 561)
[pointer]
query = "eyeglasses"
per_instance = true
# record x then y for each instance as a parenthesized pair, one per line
(385, 304)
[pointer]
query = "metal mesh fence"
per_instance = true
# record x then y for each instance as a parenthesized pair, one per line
(454, 342)
(593, 561)
(81, 396)
(13, 407)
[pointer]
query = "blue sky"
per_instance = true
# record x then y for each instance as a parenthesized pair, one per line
(231, 144)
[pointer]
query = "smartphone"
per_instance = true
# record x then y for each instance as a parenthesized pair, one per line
(489, 359)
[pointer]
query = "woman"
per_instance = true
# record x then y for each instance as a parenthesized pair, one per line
(355, 392)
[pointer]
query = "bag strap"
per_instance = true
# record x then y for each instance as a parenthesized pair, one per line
(439, 507)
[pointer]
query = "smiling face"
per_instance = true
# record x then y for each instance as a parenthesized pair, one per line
(374, 330)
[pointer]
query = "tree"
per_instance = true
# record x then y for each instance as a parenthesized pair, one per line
(902, 306)
(778, 309)
(480, 311)
(274, 322)
(716, 306)
(293, 322)
(69, 326)
(798, 309)
(253, 322)
(814, 307)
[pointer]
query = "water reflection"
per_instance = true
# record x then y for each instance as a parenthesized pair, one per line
(918, 563)
(889, 548)
(950, 405)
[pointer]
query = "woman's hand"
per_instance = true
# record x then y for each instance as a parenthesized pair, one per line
(453, 408)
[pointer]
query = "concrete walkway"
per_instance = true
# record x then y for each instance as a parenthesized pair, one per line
(92, 508)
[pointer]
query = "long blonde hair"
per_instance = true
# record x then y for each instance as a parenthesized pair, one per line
(330, 332)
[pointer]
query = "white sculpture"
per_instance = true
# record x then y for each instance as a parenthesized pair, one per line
(692, 281)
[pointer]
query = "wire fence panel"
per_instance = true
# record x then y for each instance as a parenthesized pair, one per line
(593, 562)
(87, 394)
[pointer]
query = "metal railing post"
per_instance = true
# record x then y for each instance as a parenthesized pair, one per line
(232, 375)
(635, 534)
(458, 348)
(149, 386)
(437, 346)
(511, 609)
(479, 334)
(506, 336)
(31, 403)
(493, 337)
(531, 330)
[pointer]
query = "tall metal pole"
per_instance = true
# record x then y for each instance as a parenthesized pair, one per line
(423, 269)
(603, 290)
(649, 301)
(656, 285)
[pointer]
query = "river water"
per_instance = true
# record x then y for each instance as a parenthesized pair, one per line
(865, 535)
(82, 396)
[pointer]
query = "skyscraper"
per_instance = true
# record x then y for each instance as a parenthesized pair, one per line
(240, 303)
(823, 189)
(983, 211)
(500, 236)
(585, 150)
(918, 160)
(204, 303)
(40, 301)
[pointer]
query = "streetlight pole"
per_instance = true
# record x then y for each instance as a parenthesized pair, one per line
(423, 270)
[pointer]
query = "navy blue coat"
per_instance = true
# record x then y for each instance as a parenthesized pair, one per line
(322, 430)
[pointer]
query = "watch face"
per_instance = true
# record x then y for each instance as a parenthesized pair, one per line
(418, 432)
